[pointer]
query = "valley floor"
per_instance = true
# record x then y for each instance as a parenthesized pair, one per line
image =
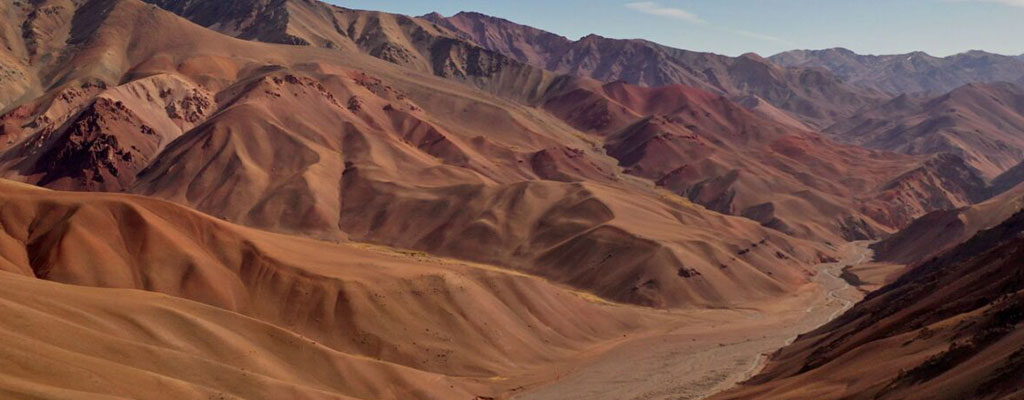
(706, 351)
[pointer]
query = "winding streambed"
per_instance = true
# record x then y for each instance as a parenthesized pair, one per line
(697, 360)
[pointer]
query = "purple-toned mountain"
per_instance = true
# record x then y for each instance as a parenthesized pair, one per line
(982, 123)
(814, 96)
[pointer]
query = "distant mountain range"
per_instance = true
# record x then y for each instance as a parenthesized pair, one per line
(811, 95)
(909, 73)
(835, 90)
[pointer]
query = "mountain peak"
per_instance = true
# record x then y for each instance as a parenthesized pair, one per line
(592, 36)
(434, 15)
(841, 50)
(753, 56)
(975, 52)
(476, 15)
(483, 18)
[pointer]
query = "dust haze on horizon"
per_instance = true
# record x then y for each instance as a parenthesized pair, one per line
(937, 27)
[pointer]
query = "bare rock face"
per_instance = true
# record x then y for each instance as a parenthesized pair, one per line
(456, 59)
(936, 232)
(95, 138)
(526, 44)
(470, 45)
(46, 27)
(87, 154)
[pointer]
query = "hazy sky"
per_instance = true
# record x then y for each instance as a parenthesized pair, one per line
(939, 27)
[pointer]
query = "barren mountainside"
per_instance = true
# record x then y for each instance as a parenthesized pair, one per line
(291, 199)
(982, 123)
(344, 307)
(813, 96)
(937, 231)
(300, 140)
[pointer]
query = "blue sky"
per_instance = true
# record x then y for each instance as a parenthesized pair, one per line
(732, 27)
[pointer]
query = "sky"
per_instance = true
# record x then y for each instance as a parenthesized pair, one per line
(766, 27)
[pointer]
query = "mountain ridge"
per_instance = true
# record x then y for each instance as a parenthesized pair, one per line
(812, 95)
(911, 72)
(981, 122)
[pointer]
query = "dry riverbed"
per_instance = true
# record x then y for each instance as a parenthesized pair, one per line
(707, 351)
